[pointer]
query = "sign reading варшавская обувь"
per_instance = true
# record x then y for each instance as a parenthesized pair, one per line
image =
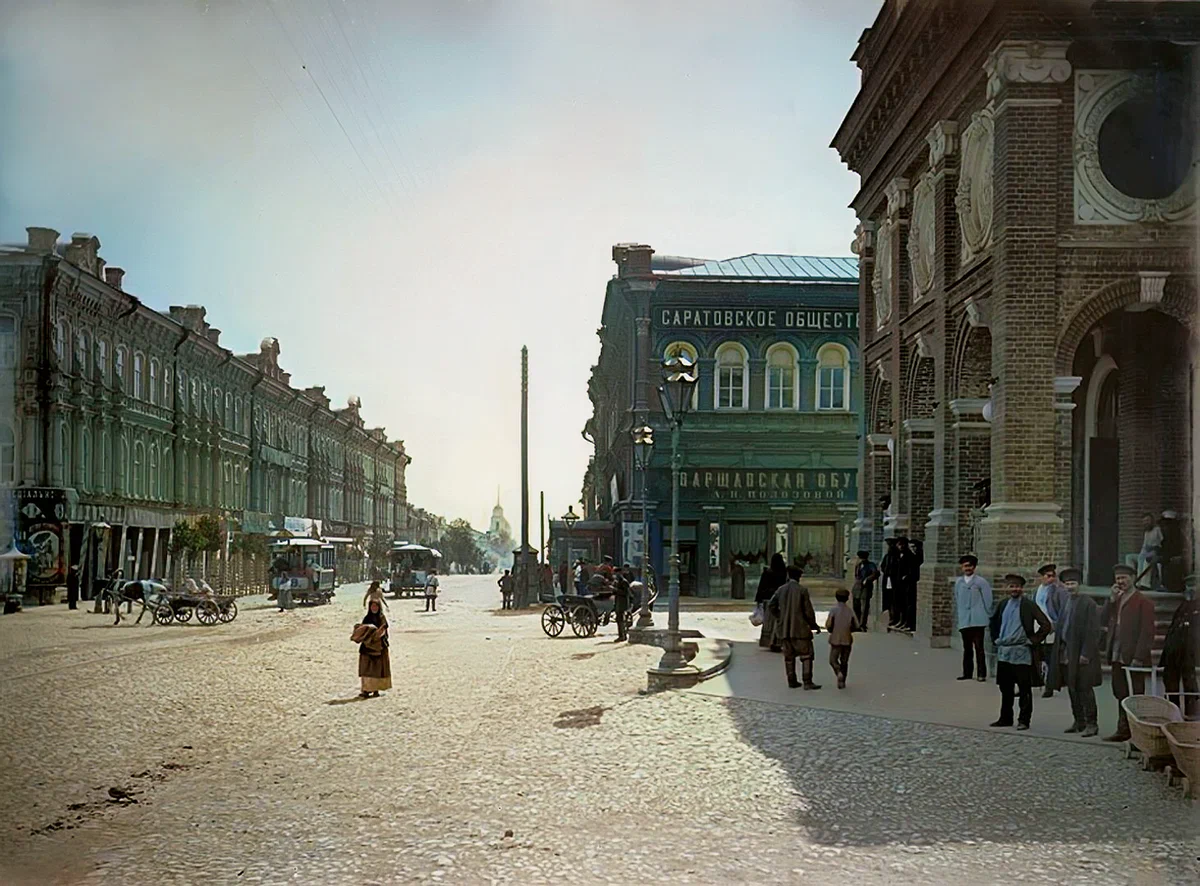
(773, 318)
(746, 484)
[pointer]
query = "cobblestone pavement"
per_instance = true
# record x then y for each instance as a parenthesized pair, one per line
(237, 755)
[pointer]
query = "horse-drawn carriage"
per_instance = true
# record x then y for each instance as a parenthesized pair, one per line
(167, 606)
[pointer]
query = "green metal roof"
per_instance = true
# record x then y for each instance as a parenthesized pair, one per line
(765, 266)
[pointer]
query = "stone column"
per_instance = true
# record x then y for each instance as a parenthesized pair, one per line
(1027, 82)
(895, 253)
(1064, 407)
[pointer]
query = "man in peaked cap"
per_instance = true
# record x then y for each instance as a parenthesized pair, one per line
(1129, 615)
(1051, 597)
(973, 608)
(1017, 627)
(1079, 654)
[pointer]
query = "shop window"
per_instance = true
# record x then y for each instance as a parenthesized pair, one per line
(781, 377)
(732, 377)
(813, 548)
(833, 378)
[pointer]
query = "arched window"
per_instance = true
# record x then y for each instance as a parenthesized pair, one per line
(229, 410)
(216, 405)
(119, 367)
(833, 377)
(139, 389)
(153, 489)
(781, 377)
(8, 455)
(8, 342)
(139, 464)
(154, 382)
(732, 377)
(83, 348)
(167, 389)
(60, 342)
(65, 447)
(166, 476)
(195, 397)
(102, 360)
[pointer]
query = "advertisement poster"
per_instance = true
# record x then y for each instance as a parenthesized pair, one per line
(41, 533)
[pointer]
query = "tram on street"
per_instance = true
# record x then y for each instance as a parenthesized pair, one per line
(410, 565)
(306, 567)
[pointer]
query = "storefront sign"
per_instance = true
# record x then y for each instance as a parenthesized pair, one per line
(773, 318)
(41, 533)
(743, 484)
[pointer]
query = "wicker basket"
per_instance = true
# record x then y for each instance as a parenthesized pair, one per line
(1184, 741)
(1147, 713)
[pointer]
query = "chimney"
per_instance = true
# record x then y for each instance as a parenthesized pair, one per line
(42, 240)
(213, 335)
(633, 259)
(113, 276)
(83, 251)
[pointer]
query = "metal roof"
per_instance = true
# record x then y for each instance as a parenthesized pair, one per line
(763, 266)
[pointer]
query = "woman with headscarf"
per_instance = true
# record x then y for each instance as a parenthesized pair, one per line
(374, 664)
(772, 577)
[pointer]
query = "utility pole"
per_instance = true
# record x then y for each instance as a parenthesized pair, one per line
(524, 477)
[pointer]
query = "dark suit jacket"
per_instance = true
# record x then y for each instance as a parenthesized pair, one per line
(1136, 626)
(1082, 639)
(1033, 620)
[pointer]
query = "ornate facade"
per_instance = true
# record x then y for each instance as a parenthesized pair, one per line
(119, 415)
(1027, 242)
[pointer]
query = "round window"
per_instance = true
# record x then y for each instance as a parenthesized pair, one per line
(1146, 144)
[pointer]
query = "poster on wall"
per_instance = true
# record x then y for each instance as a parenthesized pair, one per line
(632, 543)
(41, 533)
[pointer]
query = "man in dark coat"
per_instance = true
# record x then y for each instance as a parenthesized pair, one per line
(620, 586)
(73, 587)
(768, 583)
(865, 574)
(795, 623)
(1181, 648)
(1079, 654)
(908, 573)
(889, 568)
(1129, 615)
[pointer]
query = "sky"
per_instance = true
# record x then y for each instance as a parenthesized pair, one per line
(405, 193)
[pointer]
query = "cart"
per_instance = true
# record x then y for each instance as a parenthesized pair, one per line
(170, 607)
(585, 615)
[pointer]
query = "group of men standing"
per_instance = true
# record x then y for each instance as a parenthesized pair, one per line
(1059, 639)
(900, 571)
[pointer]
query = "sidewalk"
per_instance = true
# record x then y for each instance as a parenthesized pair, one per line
(891, 676)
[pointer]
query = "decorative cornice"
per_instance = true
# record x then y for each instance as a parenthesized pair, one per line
(897, 196)
(979, 312)
(1065, 385)
(1018, 61)
(1153, 286)
(919, 425)
(942, 141)
(879, 440)
(967, 406)
(925, 345)
(864, 238)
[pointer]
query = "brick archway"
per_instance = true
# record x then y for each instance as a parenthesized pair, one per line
(880, 414)
(972, 369)
(1178, 302)
(919, 389)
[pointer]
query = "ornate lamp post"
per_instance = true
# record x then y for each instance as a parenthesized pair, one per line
(679, 380)
(570, 518)
(643, 448)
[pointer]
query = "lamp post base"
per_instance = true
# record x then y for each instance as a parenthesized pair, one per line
(685, 677)
(645, 620)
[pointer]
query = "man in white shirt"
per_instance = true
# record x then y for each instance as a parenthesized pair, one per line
(973, 605)
(1052, 597)
(431, 591)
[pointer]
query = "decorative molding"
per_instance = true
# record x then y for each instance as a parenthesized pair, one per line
(864, 237)
(1023, 512)
(1154, 285)
(1097, 200)
(882, 276)
(942, 517)
(979, 312)
(880, 440)
(883, 367)
(919, 425)
(924, 342)
(1098, 342)
(942, 141)
(1065, 385)
(968, 406)
(922, 236)
(1020, 61)
(896, 192)
(974, 196)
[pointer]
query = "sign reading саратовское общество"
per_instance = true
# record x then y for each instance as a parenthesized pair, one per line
(756, 318)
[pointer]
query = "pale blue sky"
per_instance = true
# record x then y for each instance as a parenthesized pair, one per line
(493, 152)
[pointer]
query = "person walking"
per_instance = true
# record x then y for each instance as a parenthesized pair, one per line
(1051, 597)
(1129, 616)
(769, 582)
(865, 575)
(1181, 648)
(1017, 626)
(620, 588)
(841, 623)
(431, 591)
(374, 662)
(889, 568)
(973, 608)
(506, 590)
(375, 592)
(795, 623)
(73, 587)
(1078, 645)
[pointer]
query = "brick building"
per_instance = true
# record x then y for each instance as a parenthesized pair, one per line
(117, 416)
(1026, 237)
(769, 452)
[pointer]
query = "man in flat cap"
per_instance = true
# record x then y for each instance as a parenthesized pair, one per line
(1017, 626)
(973, 608)
(1079, 654)
(1051, 597)
(1129, 615)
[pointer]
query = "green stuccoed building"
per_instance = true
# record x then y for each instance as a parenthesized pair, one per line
(770, 448)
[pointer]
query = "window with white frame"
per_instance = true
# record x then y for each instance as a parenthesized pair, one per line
(229, 410)
(732, 377)
(8, 455)
(119, 366)
(781, 377)
(82, 347)
(139, 388)
(8, 342)
(833, 377)
(167, 389)
(102, 360)
(153, 385)
(139, 464)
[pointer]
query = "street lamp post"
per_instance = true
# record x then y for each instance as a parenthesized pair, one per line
(643, 448)
(679, 380)
(570, 518)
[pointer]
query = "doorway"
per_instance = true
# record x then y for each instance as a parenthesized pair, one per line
(1103, 474)
(687, 569)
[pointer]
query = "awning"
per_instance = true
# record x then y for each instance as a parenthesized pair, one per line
(338, 540)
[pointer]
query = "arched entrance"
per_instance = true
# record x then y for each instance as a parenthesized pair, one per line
(1131, 449)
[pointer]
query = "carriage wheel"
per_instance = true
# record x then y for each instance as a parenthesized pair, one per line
(207, 613)
(183, 614)
(583, 622)
(163, 614)
(229, 611)
(553, 621)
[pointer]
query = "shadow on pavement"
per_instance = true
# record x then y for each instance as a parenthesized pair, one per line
(351, 700)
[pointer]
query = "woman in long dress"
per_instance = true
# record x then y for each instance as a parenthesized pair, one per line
(374, 664)
(772, 577)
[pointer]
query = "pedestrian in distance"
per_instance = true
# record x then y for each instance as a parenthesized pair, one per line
(841, 623)
(73, 587)
(1129, 616)
(506, 590)
(889, 568)
(1052, 598)
(795, 623)
(621, 590)
(1017, 626)
(1078, 642)
(431, 591)
(772, 578)
(973, 608)
(375, 592)
(866, 574)
(374, 662)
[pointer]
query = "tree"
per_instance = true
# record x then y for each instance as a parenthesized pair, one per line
(459, 548)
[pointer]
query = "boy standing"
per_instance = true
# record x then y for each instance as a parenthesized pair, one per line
(841, 623)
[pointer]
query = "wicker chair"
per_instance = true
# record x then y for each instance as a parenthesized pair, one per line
(1147, 713)
(1184, 741)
